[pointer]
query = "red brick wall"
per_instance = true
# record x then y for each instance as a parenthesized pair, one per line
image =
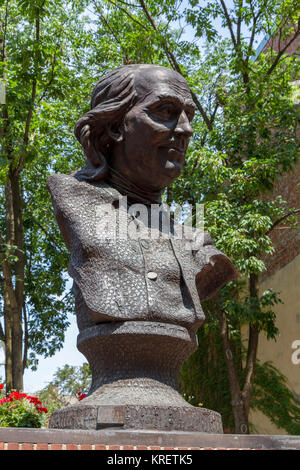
(286, 241)
(44, 446)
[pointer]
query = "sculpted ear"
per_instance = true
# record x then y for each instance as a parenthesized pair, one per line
(115, 131)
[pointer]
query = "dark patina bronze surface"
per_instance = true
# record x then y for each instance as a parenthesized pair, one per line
(137, 299)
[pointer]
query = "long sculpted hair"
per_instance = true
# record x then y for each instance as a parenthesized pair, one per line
(113, 96)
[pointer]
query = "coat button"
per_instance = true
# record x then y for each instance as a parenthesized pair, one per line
(152, 275)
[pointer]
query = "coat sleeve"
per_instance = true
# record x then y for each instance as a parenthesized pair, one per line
(215, 269)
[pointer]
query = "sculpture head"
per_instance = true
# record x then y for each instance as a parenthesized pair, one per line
(139, 125)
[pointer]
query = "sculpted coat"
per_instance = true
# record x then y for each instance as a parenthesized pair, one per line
(111, 276)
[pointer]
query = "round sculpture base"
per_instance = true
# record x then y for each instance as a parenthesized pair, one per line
(135, 366)
(163, 418)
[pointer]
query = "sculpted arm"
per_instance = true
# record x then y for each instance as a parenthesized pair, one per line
(215, 269)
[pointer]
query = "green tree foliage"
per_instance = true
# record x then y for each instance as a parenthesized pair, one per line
(52, 400)
(43, 61)
(69, 382)
(72, 379)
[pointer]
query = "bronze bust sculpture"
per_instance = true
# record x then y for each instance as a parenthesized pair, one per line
(137, 299)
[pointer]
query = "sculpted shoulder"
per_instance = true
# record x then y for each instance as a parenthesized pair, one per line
(66, 189)
(60, 180)
(61, 185)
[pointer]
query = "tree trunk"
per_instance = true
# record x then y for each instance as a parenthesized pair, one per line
(240, 416)
(241, 396)
(252, 349)
(13, 283)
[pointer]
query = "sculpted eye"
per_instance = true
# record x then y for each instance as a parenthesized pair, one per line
(166, 111)
(190, 114)
(170, 111)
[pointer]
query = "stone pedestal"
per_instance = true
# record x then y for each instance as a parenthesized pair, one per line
(135, 366)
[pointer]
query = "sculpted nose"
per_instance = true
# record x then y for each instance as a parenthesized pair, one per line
(183, 125)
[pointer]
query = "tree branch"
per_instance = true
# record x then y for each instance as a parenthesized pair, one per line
(129, 15)
(3, 130)
(253, 32)
(2, 334)
(239, 23)
(25, 352)
(30, 112)
(51, 75)
(110, 30)
(236, 46)
(278, 221)
(229, 24)
(212, 117)
(49, 237)
(129, 4)
(282, 51)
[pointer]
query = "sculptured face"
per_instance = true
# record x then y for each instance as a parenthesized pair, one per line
(156, 131)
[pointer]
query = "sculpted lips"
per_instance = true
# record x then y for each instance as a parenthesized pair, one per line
(177, 150)
(175, 155)
(177, 146)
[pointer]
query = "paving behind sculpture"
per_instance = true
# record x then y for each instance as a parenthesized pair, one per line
(138, 280)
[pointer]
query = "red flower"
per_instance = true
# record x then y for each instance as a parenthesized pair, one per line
(81, 395)
(42, 409)
(1, 386)
(34, 400)
(17, 395)
(5, 400)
